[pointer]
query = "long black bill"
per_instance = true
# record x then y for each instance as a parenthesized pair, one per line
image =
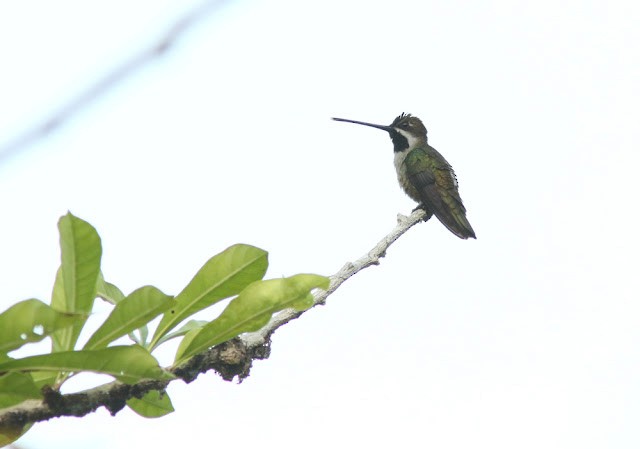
(382, 127)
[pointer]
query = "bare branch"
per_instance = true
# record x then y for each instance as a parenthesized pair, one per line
(261, 337)
(126, 69)
(229, 359)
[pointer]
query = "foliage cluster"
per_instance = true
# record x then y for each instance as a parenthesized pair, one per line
(237, 272)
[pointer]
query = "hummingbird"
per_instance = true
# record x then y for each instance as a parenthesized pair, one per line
(424, 174)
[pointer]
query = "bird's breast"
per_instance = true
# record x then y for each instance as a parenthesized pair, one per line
(403, 179)
(398, 160)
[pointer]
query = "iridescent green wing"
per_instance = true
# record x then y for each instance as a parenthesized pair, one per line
(434, 179)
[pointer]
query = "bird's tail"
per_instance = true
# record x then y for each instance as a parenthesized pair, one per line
(457, 223)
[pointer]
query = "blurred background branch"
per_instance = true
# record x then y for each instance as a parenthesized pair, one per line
(56, 119)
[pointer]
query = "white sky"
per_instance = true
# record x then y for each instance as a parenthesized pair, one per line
(527, 337)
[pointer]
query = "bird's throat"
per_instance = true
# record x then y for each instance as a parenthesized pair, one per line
(403, 140)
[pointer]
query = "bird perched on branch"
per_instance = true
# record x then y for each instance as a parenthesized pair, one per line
(424, 174)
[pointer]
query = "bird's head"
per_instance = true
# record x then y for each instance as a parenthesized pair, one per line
(405, 131)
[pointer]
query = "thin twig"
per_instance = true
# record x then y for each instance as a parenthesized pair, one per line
(262, 336)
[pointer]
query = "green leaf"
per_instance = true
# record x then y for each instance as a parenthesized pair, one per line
(113, 295)
(58, 294)
(30, 321)
(141, 337)
(128, 364)
(17, 387)
(14, 389)
(152, 405)
(42, 378)
(187, 327)
(10, 433)
(222, 276)
(136, 310)
(144, 332)
(81, 252)
(107, 291)
(75, 287)
(185, 344)
(252, 309)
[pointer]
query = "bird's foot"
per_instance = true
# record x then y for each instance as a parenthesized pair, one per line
(428, 213)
